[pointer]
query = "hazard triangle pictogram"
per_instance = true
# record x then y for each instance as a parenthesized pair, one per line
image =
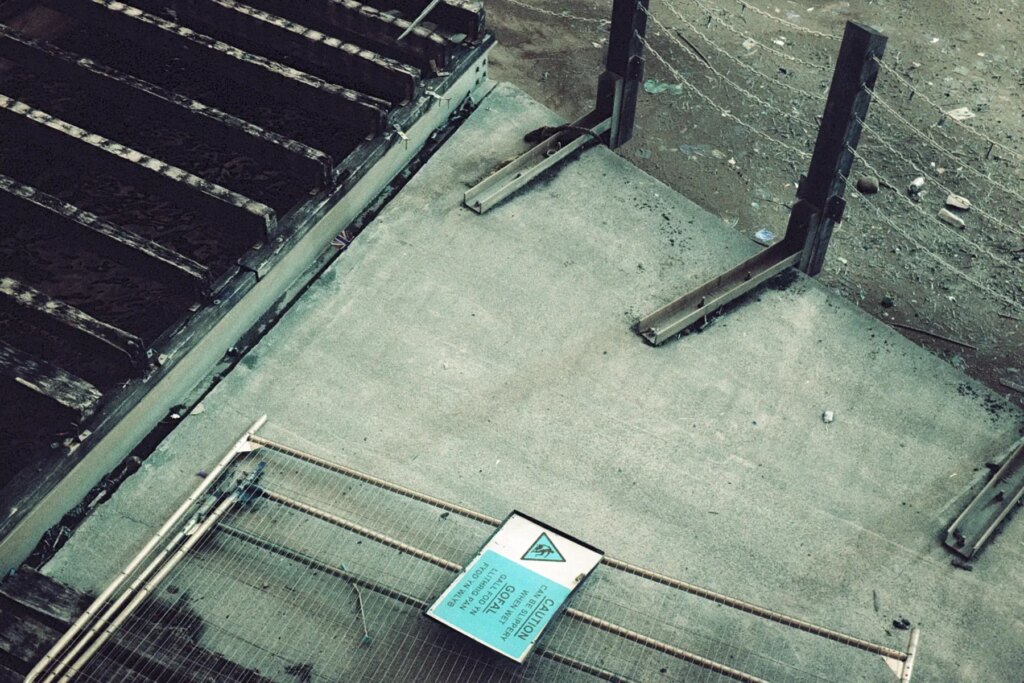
(543, 550)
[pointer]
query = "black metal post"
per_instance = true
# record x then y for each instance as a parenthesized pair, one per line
(619, 86)
(848, 99)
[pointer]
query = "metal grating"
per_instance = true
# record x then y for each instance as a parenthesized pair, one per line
(286, 566)
(157, 159)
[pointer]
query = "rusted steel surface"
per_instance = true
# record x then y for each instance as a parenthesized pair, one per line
(259, 74)
(315, 52)
(48, 380)
(23, 200)
(121, 89)
(75, 321)
(139, 168)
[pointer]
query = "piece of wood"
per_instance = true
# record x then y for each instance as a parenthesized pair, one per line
(49, 598)
(122, 245)
(848, 99)
(48, 380)
(150, 100)
(23, 636)
(259, 75)
(73, 322)
(312, 51)
(137, 169)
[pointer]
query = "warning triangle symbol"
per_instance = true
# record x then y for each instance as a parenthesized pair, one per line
(543, 550)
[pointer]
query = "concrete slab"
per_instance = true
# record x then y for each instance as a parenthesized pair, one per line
(489, 360)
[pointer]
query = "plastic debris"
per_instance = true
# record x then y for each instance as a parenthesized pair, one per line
(828, 417)
(960, 114)
(958, 202)
(867, 185)
(947, 216)
(656, 87)
(764, 237)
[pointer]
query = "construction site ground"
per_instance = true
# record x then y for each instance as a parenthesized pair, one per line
(489, 360)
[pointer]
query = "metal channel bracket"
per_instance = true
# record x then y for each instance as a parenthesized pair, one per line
(980, 519)
(525, 168)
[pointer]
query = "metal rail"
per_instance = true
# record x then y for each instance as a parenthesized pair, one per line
(983, 515)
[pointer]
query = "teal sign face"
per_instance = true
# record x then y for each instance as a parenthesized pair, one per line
(501, 603)
(515, 586)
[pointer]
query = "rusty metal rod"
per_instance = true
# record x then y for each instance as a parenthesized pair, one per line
(621, 565)
(583, 617)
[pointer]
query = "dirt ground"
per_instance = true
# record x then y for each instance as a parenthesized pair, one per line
(730, 112)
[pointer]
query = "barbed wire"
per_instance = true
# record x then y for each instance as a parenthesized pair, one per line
(732, 29)
(875, 135)
(561, 15)
(961, 124)
(740, 89)
(788, 24)
(851, 189)
(721, 110)
(728, 55)
(1012, 265)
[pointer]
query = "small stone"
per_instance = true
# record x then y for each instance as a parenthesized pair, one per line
(947, 216)
(867, 185)
(828, 417)
(916, 185)
(888, 302)
(958, 202)
(902, 623)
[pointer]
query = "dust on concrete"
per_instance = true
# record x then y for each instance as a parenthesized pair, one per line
(957, 54)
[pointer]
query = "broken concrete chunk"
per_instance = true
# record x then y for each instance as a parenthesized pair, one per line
(947, 216)
(960, 114)
(958, 202)
(916, 185)
(828, 417)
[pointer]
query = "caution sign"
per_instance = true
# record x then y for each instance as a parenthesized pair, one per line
(515, 586)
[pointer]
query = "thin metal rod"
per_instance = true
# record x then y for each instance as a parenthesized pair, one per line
(142, 594)
(621, 565)
(376, 481)
(240, 446)
(419, 20)
(583, 617)
(405, 599)
(659, 646)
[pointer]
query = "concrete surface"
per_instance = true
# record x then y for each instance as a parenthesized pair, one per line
(489, 360)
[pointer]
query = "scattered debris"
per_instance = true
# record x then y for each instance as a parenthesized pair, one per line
(960, 114)
(874, 599)
(947, 216)
(935, 335)
(958, 202)
(916, 185)
(828, 417)
(656, 87)
(764, 237)
(902, 623)
(962, 564)
(643, 153)
(888, 302)
(867, 185)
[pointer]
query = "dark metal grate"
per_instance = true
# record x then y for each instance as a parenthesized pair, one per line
(151, 153)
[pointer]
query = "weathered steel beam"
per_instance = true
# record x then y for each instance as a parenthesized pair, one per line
(263, 77)
(349, 20)
(259, 31)
(56, 314)
(453, 16)
(150, 100)
(137, 169)
(48, 380)
(990, 507)
(121, 245)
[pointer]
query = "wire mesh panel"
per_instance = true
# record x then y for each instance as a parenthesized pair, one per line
(298, 569)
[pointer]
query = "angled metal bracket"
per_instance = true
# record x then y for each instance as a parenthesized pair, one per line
(990, 507)
(528, 166)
